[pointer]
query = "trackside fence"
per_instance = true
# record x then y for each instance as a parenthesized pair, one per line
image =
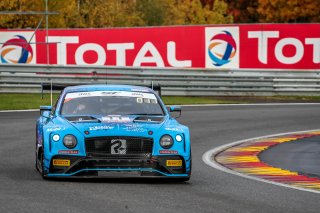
(182, 82)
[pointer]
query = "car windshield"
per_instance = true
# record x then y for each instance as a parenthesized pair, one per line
(111, 103)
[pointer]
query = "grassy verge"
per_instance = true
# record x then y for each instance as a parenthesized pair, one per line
(24, 101)
(33, 101)
(179, 100)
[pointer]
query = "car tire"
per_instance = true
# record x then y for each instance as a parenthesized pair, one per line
(36, 153)
(42, 170)
(185, 179)
(36, 163)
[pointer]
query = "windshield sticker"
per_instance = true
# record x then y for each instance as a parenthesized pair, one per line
(94, 128)
(109, 93)
(139, 100)
(136, 94)
(139, 90)
(68, 151)
(67, 99)
(74, 95)
(146, 100)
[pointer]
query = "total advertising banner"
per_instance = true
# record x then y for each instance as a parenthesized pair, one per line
(249, 46)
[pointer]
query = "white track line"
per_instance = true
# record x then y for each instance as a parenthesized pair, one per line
(201, 105)
(22, 110)
(207, 158)
(262, 104)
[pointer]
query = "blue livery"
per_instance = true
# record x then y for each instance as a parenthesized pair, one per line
(112, 131)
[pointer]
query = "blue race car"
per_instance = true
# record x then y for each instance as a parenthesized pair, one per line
(111, 130)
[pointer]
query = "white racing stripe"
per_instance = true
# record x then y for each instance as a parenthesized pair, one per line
(207, 157)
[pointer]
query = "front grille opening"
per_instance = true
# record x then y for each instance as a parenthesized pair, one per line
(119, 147)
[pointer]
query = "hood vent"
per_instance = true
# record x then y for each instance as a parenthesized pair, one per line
(82, 119)
(148, 119)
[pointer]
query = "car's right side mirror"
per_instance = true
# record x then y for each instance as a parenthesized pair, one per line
(45, 111)
(175, 111)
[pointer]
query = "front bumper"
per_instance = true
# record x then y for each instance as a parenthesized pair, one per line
(155, 166)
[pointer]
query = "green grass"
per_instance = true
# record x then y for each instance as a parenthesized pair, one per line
(33, 101)
(24, 101)
(297, 98)
(177, 100)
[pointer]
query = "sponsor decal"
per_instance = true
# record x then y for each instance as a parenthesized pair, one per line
(139, 100)
(173, 129)
(68, 151)
(145, 51)
(134, 128)
(94, 128)
(118, 147)
(282, 47)
(139, 90)
(61, 162)
(168, 152)
(146, 101)
(136, 94)
(55, 129)
(222, 47)
(16, 48)
(115, 119)
(245, 46)
(74, 95)
(174, 162)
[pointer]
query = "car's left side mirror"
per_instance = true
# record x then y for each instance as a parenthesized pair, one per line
(175, 111)
(45, 111)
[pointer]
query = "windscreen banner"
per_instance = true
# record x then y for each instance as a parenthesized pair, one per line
(236, 47)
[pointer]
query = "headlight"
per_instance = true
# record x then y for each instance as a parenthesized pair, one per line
(69, 141)
(166, 141)
(179, 138)
(55, 138)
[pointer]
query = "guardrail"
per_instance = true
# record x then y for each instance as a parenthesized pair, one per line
(184, 82)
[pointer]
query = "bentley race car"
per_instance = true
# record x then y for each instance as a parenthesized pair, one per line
(111, 130)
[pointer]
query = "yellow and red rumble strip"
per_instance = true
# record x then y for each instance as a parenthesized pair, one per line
(244, 158)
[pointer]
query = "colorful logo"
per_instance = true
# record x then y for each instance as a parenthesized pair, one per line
(222, 48)
(16, 50)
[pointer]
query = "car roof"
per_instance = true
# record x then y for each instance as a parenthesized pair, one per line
(107, 87)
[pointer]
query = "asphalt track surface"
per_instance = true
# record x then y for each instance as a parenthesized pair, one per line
(301, 156)
(209, 190)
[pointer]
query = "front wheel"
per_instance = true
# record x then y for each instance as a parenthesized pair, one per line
(40, 164)
(184, 179)
(36, 154)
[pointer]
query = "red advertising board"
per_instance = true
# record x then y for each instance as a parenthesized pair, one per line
(284, 46)
(254, 46)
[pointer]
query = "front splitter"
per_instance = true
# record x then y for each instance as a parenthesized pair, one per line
(123, 172)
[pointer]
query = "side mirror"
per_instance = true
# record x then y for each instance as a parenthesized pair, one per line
(45, 111)
(175, 111)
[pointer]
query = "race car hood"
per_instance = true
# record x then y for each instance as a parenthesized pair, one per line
(116, 125)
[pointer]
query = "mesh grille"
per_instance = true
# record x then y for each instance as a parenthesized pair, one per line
(119, 147)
